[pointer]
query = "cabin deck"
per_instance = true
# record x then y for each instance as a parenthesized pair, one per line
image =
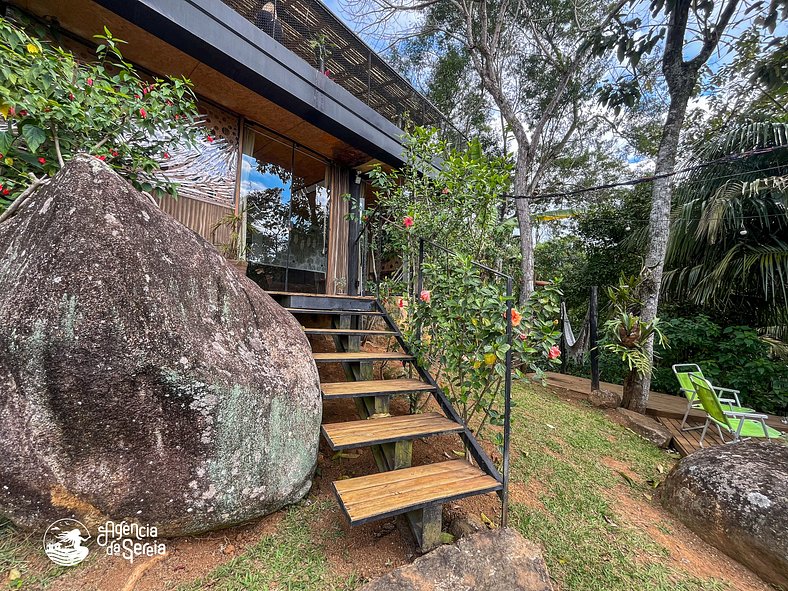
(667, 408)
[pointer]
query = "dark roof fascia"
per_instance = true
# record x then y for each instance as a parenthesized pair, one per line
(216, 35)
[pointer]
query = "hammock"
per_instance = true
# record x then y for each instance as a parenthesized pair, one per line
(576, 347)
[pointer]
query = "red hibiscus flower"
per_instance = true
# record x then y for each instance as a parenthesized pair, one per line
(90, 81)
(102, 157)
(6, 192)
(166, 155)
(114, 153)
(209, 138)
(425, 296)
(407, 221)
(400, 303)
(143, 113)
(516, 317)
(71, 96)
(554, 352)
(23, 113)
(522, 336)
(42, 160)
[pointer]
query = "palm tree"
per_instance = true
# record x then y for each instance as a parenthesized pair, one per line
(728, 246)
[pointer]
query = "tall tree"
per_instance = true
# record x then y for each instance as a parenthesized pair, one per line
(692, 32)
(533, 58)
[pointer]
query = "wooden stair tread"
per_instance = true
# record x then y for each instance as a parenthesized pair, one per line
(321, 295)
(349, 331)
(372, 388)
(387, 430)
(335, 312)
(361, 356)
(377, 496)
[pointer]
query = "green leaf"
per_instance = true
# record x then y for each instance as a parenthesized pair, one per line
(6, 139)
(34, 136)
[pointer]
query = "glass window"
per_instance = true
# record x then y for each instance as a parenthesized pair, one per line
(283, 191)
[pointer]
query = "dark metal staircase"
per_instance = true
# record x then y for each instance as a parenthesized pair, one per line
(418, 492)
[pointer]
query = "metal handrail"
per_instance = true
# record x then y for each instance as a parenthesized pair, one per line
(472, 444)
(508, 377)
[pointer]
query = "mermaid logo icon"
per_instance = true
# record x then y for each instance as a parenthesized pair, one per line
(63, 542)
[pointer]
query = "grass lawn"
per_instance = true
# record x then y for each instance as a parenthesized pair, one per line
(567, 461)
(291, 558)
(582, 487)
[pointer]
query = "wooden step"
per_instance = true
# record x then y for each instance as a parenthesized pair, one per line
(340, 296)
(361, 356)
(334, 312)
(372, 388)
(349, 332)
(383, 495)
(387, 430)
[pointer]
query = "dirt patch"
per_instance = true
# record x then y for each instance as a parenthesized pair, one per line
(187, 559)
(528, 494)
(621, 467)
(687, 550)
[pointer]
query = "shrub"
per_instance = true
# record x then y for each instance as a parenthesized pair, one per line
(54, 106)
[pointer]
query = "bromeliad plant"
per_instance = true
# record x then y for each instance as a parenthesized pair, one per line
(626, 333)
(53, 106)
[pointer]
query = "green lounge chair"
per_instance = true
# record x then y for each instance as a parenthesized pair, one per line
(738, 425)
(730, 402)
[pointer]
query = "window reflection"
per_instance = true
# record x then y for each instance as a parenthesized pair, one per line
(286, 199)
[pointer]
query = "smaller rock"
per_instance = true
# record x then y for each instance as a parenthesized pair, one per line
(605, 398)
(646, 427)
(465, 525)
(487, 561)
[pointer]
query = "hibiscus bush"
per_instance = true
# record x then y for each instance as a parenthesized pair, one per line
(54, 106)
(457, 324)
(457, 327)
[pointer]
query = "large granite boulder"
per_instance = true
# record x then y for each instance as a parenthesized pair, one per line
(736, 498)
(141, 376)
(486, 561)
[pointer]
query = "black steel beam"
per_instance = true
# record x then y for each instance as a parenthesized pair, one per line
(216, 35)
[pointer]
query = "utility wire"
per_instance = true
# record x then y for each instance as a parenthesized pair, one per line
(648, 179)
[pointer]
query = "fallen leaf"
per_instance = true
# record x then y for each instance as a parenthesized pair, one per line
(14, 575)
(487, 521)
(660, 468)
(609, 521)
(447, 538)
(629, 481)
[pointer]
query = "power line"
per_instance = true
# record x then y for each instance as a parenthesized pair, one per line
(648, 179)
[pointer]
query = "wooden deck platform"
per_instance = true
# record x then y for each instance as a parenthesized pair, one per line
(667, 408)
(686, 442)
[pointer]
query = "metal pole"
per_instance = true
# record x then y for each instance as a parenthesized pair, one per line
(592, 331)
(419, 283)
(562, 341)
(507, 393)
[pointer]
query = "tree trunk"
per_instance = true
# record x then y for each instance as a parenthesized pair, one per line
(636, 390)
(522, 186)
(632, 384)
